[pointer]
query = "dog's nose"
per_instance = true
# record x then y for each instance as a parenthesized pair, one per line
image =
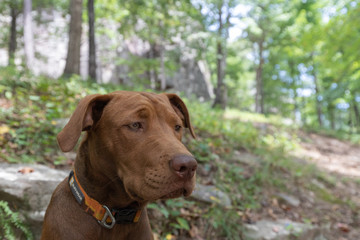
(184, 166)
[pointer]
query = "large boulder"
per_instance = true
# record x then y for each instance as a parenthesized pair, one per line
(28, 189)
(284, 229)
(211, 195)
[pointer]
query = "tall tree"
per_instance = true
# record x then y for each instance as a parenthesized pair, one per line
(312, 39)
(217, 15)
(223, 10)
(14, 12)
(268, 23)
(92, 46)
(28, 35)
(72, 65)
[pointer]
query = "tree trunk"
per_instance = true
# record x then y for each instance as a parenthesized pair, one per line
(28, 35)
(92, 46)
(220, 88)
(331, 110)
(162, 68)
(12, 40)
(220, 92)
(259, 96)
(356, 113)
(317, 95)
(294, 76)
(303, 113)
(72, 65)
(152, 71)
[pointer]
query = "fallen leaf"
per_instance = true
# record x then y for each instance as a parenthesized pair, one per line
(4, 129)
(275, 202)
(271, 213)
(343, 227)
(169, 237)
(215, 199)
(26, 170)
(194, 232)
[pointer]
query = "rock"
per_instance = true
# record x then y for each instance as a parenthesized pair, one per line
(318, 184)
(193, 78)
(246, 158)
(203, 170)
(29, 192)
(283, 229)
(289, 199)
(210, 194)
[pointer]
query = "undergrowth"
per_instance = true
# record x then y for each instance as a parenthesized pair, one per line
(10, 222)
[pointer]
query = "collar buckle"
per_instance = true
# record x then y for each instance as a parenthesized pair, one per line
(108, 214)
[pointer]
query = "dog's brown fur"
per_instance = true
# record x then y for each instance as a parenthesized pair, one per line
(120, 164)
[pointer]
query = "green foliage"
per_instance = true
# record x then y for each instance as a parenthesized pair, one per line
(226, 222)
(173, 218)
(9, 222)
(36, 107)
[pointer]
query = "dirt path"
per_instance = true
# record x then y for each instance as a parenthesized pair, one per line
(331, 154)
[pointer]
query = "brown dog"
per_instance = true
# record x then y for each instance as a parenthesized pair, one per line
(132, 154)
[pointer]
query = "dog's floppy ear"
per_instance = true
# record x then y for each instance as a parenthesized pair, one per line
(176, 101)
(85, 116)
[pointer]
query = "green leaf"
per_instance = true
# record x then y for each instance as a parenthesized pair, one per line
(34, 98)
(8, 95)
(183, 223)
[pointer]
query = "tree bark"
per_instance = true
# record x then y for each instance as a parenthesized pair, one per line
(259, 95)
(220, 92)
(162, 68)
(92, 46)
(317, 95)
(28, 35)
(72, 65)
(152, 71)
(294, 76)
(12, 40)
(356, 113)
(331, 111)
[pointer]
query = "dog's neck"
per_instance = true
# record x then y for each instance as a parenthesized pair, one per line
(105, 187)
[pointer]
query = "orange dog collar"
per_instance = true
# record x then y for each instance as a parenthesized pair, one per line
(105, 217)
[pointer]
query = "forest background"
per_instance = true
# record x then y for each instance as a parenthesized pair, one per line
(256, 74)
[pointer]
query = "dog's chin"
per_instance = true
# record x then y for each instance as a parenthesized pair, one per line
(175, 190)
(174, 194)
(178, 193)
(136, 197)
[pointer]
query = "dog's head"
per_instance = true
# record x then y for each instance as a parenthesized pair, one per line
(136, 137)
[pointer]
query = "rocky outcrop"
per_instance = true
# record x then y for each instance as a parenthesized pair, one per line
(28, 189)
(211, 195)
(193, 78)
(284, 229)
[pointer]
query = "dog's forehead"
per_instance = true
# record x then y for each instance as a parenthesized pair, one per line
(131, 100)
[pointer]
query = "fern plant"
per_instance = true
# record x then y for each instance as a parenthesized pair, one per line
(9, 221)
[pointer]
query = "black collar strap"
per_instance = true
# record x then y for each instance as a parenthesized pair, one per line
(105, 217)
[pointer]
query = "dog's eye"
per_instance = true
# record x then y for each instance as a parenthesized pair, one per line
(177, 128)
(135, 126)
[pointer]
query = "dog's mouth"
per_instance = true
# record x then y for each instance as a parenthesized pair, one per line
(174, 194)
(178, 193)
